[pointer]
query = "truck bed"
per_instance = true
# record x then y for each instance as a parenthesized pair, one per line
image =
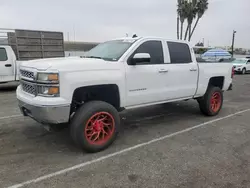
(213, 69)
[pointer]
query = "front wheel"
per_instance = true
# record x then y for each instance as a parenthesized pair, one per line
(243, 71)
(95, 126)
(212, 101)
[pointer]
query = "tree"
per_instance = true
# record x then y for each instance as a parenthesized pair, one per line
(182, 15)
(202, 6)
(178, 20)
(189, 9)
(178, 27)
(199, 44)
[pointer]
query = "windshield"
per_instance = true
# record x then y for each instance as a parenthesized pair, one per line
(111, 50)
(239, 61)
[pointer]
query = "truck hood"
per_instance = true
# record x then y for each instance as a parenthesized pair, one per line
(69, 64)
(238, 65)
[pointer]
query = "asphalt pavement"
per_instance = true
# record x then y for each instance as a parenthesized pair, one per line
(170, 145)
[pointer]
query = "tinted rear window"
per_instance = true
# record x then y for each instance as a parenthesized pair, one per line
(179, 52)
(3, 55)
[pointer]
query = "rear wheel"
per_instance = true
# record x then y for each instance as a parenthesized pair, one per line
(95, 126)
(212, 101)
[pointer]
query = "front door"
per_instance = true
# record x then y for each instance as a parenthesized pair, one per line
(6, 66)
(145, 80)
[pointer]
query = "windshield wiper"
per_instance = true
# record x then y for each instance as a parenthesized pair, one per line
(96, 57)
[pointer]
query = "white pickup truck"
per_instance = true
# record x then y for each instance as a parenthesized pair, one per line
(89, 92)
(9, 66)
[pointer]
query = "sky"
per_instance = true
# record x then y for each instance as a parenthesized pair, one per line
(101, 20)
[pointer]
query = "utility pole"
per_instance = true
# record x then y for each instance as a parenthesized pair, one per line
(234, 32)
(74, 33)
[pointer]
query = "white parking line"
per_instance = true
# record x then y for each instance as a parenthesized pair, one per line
(7, 117)
(122, 151)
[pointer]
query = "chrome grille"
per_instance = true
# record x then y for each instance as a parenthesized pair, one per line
(28, 88)
(27, 74)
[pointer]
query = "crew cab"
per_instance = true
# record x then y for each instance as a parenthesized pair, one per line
(89, 92)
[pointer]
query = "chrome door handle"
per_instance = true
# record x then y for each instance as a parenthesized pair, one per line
(163, 71)
(193, 69)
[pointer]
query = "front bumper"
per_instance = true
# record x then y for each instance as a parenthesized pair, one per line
(45, 114)
(236, 69)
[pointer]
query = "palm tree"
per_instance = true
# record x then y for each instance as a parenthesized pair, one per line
(178, 26)
(202, 6)
(191, 11)
(178, 20)
(182, 14)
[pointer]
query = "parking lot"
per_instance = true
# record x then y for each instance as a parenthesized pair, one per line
(170, 145)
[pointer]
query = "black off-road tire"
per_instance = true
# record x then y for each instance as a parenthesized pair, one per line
(83, 116)
(205, 103)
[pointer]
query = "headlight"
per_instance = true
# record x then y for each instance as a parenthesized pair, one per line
(48, 77)
(48, 90)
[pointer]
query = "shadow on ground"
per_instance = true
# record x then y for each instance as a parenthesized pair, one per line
(8, 87)
(138, 122)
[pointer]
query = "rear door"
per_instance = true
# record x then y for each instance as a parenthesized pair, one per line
(181, 78)
(6, 66)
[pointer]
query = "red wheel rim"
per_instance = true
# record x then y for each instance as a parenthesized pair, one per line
(99, 128)
(215, 102)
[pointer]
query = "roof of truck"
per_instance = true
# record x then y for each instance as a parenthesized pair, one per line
(150, 37)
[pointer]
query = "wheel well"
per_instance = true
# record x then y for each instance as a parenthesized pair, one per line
(107, 93)
(217, 82)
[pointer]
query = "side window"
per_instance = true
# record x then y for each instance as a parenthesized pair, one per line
(154, 49)
(3, 55)
(248, 62)
(179, 52)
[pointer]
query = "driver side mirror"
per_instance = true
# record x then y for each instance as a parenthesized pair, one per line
(140, 58)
